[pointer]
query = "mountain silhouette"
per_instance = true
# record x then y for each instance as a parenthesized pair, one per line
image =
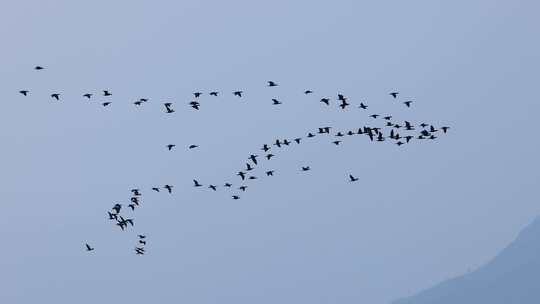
(513, 276)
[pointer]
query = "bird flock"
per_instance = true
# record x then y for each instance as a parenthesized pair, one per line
(384, 129)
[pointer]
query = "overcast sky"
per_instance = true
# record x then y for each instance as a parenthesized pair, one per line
(419, 214)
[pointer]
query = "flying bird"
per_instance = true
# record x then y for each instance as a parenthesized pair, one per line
(242, 175)
(238, 93)
(326, 101)
(352, 178)
(87, 95)
(106, 103)
(253, 158)
(307, 168)
(88, 248)
(56, 96)
(213, 187)
(38, 68)
(272, 84)
(168, 187)
(197, 94)
(192, 146)
(408, 103)
(24, 92)
(363, 106)
(276, 102)
(170, 146)
(270, 173)
(214, 93)
(308, 92)
(196, 183)
(106, 93)
(394, 94)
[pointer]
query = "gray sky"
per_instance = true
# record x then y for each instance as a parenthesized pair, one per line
(419, 214)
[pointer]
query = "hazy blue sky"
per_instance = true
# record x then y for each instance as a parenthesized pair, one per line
(419, 214)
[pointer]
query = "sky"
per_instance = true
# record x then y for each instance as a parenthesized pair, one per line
(419, 214)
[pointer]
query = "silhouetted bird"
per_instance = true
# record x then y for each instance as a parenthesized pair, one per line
(374, 115)
(117, 208)
(445, 129)
(135, 200)
(307, 168)
(106, 103)
(270, 173)
(141, 236)
(363, 106)
(38, 68)
(138, 103)
(56, 96)
(248, 167)
(394, 94)
(24, 92)
(168, 187)
(132, 206)
(352, 178)
(197, 94)
(308, 92)
(408, 103)
(276, 102)
(112, 216)
(242, 175)
(235, 197)
(170, 146)
(88, 248)
(336, 142)
(342, 97)
(423, 125)
(387, 117)
(227, 185)
(252, 177)
(253, 158)
(343, 104)
(297, 140)
(243, 188)
(214, 93)
(238, 93)
(310, 135)
(196, 183)
(106, 93)
(192, 146)
(155, 189)
(399, 143)
(286, 142)
(168, 108)
(326, 101)
(277, 143)
(272, 84)
(265, 148)
(136, 192)
(142, 242)
(268, 156)
(213, 187)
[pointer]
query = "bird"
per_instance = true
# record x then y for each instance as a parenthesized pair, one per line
(138, 103)
(445, 129)
(276, 102)
(213, 187)
(141, 236)
(243, 188)
(265, 148)
(238, 93)
(394, 94)
(268, 156)
(168, 187)
(272, 84)
(168, 107)
(297, 140)
(242, 175)
(248, 167)
(343, 104)
(235, 197)
(277, 143)
(155, 189)
(387, 117)
(88, 248)
(132, 206)
(270, 173)
(214, 93)
(24, 92)
(363, 106)
(326, 101)
(112, 216)
(253, 158)
(341, 97)
(374, 115)
(423, 125)
(56, 96)
(195, 105)
(38, 67)
(352, 178)
(307, 168)
(139, 251)
(192, 146)
(286, 142)
(87, 95)
(196, 183)
(408, 103)
(106, 93)
(142, 242)
(310, 135)
(106, 103)
(252, 177)
(135, 200)
(170, 146)
(117, 208)
(197, 94)
(308, 92)
(227, 185)
(336, 142)
(136, 192)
